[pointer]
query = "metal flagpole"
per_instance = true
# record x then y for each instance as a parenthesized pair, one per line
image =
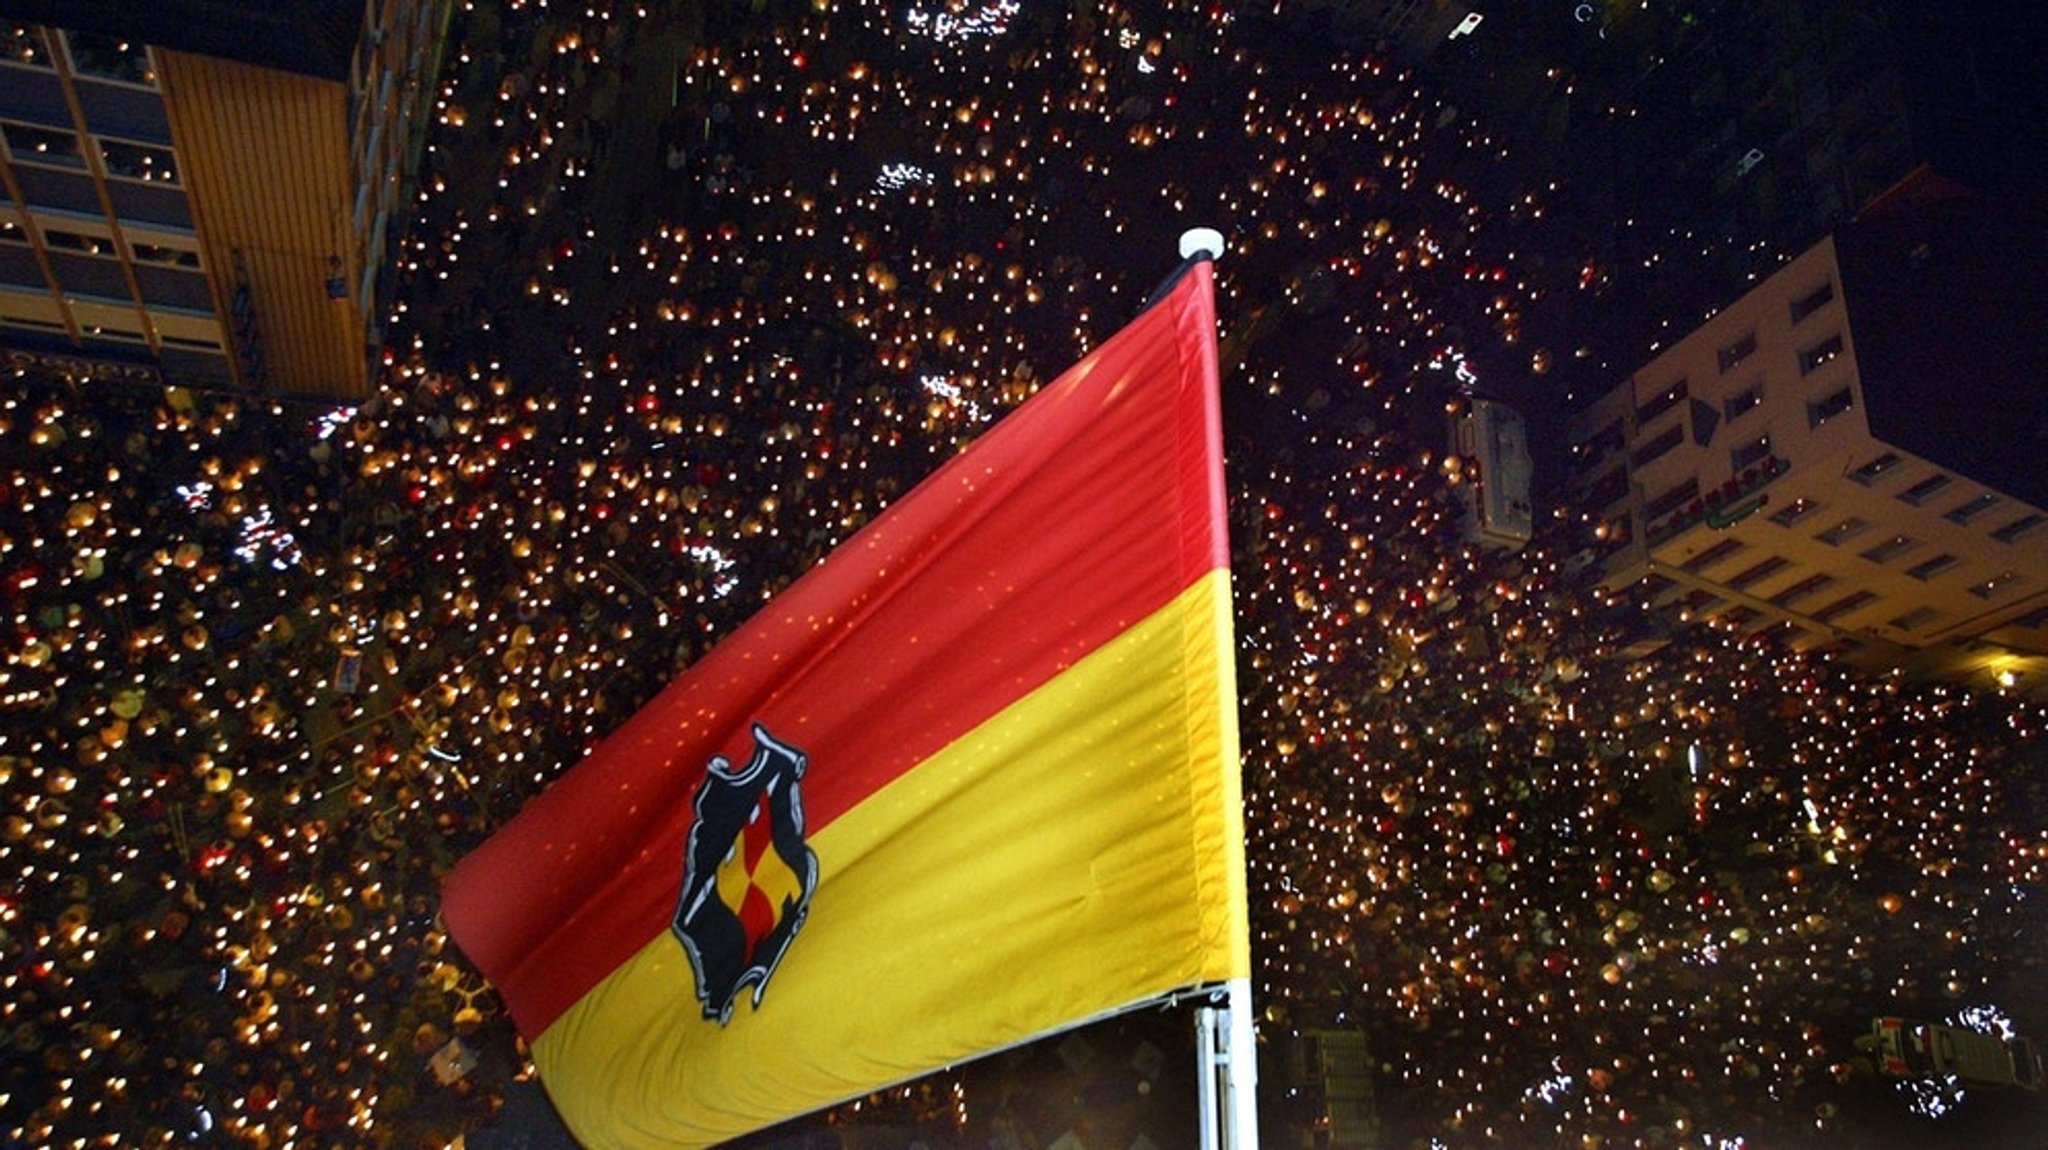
(1227, 1052)
(1227, 1069)
(1241, 1070)
(1207, 1070)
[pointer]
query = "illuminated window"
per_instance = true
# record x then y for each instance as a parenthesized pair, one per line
(19, 44)
(28, 143)
(139, 161)
(1992, 587)
(1795, 511)
(1820, 355)
(64, 241)
(111, 58)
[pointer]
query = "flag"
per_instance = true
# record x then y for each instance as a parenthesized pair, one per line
(971, 780)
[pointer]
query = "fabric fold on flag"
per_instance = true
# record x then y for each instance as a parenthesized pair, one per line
(971, 780)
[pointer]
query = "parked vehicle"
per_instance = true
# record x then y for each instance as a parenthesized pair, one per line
(1905, 1048)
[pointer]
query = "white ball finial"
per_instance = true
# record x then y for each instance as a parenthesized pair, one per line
(1201, 241)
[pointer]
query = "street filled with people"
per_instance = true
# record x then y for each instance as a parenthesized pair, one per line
(690, 297)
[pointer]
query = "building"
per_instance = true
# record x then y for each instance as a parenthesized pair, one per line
(1855, 453)
(206, 193)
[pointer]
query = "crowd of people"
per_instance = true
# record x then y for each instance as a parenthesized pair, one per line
(691, 296)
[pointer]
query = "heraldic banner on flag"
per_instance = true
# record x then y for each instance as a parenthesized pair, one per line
(970, 781)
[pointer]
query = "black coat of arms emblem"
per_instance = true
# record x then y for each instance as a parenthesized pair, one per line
(748, 875)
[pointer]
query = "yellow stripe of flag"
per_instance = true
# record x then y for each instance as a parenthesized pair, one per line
(1118, 779)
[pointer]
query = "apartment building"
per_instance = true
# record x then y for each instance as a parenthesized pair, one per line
(1855, 453)
(205, 194)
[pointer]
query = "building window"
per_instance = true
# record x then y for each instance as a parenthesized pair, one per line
(1843, 606)
(29, 144)
(1870, 472)
(1736, 352)
(111, 58)
(1924, 490)
(1743, 401)
(167, 257)
(1761, 569)
(1655, 448)
(1928, 568)
(1617, 532)
(1671, 397)
(140, 161)
(1822, 410)
(1755, 451)
(1801, 590)
(1992, 587)
(1711, 556)
(1699, 601)
(1671, 500)
(1820, 355)
(1965, 512)
(1813, 301)
(19, 44)
(1608, 489)
(63, 241)
(1794, 511)
(1915, 619)
(1844, 531)
(1891, 549)
(2017, 527)
(1603, 443)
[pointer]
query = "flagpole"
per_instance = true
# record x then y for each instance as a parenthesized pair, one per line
(1227, 1069)
(1242, 1070)
(1227, 1054)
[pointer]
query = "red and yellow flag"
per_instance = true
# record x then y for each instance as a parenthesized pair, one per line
(972, 780)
